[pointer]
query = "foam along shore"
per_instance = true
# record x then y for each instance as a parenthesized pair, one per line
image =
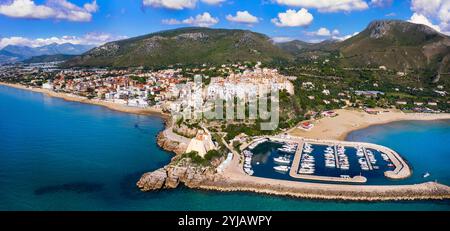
(81, 99)
(348, 120)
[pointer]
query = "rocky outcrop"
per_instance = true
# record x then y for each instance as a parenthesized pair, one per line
(185, 131)
(153, 180)
(170, 145)
(178, 171)
(172, 175)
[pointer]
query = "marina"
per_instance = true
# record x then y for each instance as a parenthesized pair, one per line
(292, 158)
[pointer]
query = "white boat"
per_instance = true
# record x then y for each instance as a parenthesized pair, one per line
(282, 160)
(281, 168)
(306, 171)
(345, 167)
(427, 174)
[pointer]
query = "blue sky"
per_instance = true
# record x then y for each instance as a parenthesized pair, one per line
(39, 22)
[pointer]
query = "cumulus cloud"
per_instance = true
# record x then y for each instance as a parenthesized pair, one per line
(178, 4)
(321, 32)
(202, 20)
(434, 13)
(55, 9)
(422, 19)
(324, 33)
(213, 2)
(94, 39)
(292, 18)
(327, 5)
(242, 17)
(381, 3)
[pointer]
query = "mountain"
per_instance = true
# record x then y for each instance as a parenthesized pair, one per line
(305, 50)
(13, 53)
(397, 45)
(186, 46)
(48, 58)
(8, 57)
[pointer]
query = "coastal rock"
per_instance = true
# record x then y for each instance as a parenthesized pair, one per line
(169, 145)
(153, 180)
(172, 175)
(185, 131)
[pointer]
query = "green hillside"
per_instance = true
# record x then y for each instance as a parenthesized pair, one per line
(184, 46)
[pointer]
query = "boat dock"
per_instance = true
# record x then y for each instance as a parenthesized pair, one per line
(294, 172)
(367, 159)
(401, 169)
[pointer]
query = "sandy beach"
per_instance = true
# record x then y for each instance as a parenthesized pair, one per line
(348, 120)
(75, 98)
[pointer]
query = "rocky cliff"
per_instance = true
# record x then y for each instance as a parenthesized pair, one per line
(170, 145)
(178, 171)
(173, 174)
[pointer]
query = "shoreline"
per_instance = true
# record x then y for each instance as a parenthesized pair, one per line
(81, 99)
(233, 179)
(350, 120)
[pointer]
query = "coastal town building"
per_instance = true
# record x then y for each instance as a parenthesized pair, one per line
(201, 143)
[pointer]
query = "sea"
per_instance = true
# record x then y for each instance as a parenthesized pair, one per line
(57, 155)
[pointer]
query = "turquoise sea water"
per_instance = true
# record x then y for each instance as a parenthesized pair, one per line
(59, 155)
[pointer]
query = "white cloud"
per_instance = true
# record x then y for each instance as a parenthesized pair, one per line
(56, 9)
(292, 18)
(95, 39)
(434, 13)
(242, 17)
(327, 5)
(422, 19)
(213, 2)
(178, 4)
(335, 32)
(171, 4)
(344, 37)
(323, 32)
(91, 7)
(381, 3)
(282, 39)
(202, 20)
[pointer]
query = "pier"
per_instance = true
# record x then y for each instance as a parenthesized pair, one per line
(401, 169)
(297, 162)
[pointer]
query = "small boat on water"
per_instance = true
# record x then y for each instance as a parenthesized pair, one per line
(425, 175)
(306, 171)
(282, 160)
(281, 168)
